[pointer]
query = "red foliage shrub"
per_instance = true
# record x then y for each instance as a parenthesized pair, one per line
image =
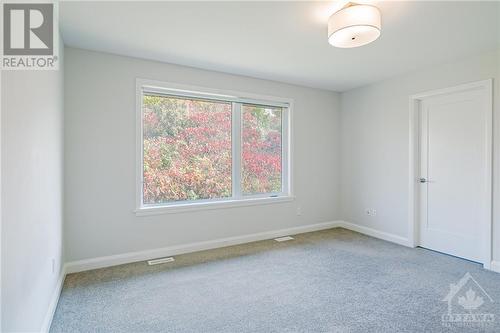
(187, 149)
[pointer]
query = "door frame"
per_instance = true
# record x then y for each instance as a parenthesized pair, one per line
(414, 163)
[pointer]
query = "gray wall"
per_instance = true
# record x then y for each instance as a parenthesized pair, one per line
(100, 159)
(375, 143)
(32, 204)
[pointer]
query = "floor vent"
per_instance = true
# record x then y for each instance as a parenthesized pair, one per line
(283, 239)
(160, 261)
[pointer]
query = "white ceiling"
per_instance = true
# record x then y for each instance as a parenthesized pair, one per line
(283, 41)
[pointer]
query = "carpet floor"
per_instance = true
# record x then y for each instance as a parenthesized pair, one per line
(327, 281)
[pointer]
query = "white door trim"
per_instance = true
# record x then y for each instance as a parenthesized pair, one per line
(414, 163)
(0, 201)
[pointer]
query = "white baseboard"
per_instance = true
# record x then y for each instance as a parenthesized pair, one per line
(125, 258)
(375, 233)
(53, 302)
(495, 266)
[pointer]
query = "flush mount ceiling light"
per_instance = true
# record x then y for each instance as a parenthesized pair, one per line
(354, 25)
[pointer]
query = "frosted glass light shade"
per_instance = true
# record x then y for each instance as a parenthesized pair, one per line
(354, 26)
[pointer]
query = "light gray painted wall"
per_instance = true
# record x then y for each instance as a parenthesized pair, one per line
(100, 159)
(375, 143)
(32, 202)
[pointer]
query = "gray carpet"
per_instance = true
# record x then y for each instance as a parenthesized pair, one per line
(327, 281)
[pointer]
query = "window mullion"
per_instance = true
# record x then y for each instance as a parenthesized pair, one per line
(236, 150)
(285, 149)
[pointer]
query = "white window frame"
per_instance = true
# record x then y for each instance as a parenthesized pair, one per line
(237, 99)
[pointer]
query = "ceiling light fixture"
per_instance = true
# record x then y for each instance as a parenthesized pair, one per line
(354, 25)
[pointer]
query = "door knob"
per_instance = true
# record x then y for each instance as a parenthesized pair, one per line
(423, 180)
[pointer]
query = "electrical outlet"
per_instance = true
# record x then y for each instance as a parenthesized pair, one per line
(374, 212)
(371, 212)
(299, 211)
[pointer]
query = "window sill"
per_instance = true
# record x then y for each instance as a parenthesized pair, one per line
(190, 207)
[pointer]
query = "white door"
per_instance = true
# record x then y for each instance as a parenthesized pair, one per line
(455, 173)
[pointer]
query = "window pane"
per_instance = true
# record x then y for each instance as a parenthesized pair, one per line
(187, 149)
(261, 156)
